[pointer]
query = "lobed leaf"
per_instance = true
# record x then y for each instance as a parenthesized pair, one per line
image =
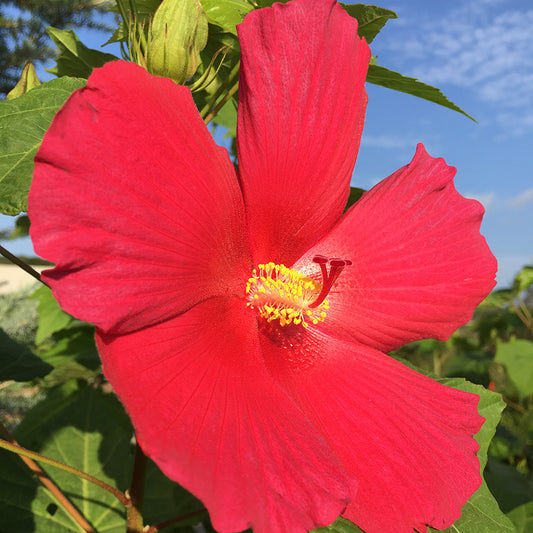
(23, 123)
(393, 80)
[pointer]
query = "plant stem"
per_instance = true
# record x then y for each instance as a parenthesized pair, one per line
(14, 447)
(136, 493)
(218, 93)
(48, 483)
(219, 106)
(15, 260)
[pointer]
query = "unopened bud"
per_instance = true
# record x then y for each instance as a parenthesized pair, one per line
(178, 33)
(28, 80)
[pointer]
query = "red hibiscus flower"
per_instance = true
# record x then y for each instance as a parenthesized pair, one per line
(264, 389)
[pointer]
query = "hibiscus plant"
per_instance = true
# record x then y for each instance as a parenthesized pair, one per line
(220, 329)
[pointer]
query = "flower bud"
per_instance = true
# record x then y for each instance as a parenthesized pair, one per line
(177, 35)
(28, 80)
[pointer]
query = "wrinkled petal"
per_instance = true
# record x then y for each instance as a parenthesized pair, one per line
(208, 413)
(301, 112)
(138, 207)
(404, 437)
(420, 266)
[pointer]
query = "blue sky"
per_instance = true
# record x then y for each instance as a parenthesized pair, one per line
(480, 54)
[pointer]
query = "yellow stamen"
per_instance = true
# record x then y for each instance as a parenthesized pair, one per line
(284, 294)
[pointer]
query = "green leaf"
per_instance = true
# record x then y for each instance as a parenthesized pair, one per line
(370, 18)
(268, 3)
(341, 525)
(523, 280)
(481, 514)
(85, 428)
(23, 123)
(69, 345)
(522, 517)
(88, 429)
(164, 499)
(75, 59)
(226, 13)
(72, 353)
(51, 317)
(511, 488)
(22, 227)
(517, 356)
(18, 362)
(393, 80)
(355, 194)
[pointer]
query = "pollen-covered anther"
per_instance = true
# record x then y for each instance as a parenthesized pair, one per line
(286, 295)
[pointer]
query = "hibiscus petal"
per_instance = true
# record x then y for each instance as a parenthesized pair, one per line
(301, 112)
(420, 265)
(138, 207)
(208, 413)
(405, 438)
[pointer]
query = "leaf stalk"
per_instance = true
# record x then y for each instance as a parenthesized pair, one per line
(20, 263)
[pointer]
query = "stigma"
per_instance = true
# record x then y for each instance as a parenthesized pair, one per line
(286, 295)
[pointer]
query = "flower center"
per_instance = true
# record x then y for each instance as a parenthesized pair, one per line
(284, 294)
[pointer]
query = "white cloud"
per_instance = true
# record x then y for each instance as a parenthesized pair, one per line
(522, 199)
(389, 141)
(491, 199)
(487, 198)
(484, 46)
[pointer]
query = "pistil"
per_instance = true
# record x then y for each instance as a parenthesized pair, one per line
(328, 279)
